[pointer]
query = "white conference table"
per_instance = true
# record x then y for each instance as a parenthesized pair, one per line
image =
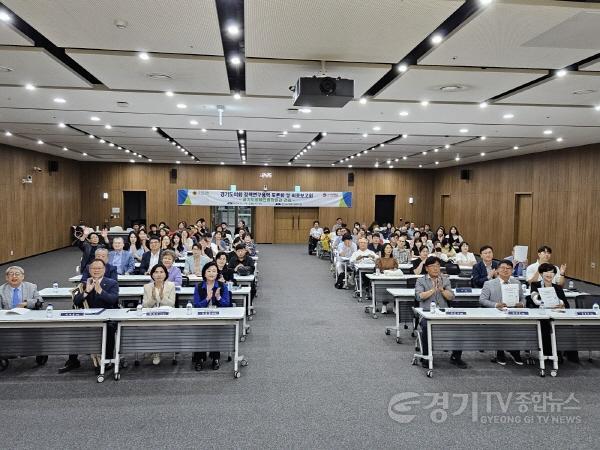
(140, 280)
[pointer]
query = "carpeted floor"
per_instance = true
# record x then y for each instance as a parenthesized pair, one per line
(321, 374)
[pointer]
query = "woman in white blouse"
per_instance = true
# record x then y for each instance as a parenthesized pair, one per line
(464, 257)
(159, 292)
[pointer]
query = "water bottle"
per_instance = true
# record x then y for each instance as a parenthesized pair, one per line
(523, 288)
(49, 310)
(571, 285)
(139, 309)
(188, 308)
(432, 307)
(542, 306)
(377, 271)
(596, 307)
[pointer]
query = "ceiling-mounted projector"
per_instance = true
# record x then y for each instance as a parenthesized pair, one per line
(323, 92)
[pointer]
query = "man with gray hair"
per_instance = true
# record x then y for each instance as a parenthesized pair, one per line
(110, 271)
(18, 293)
(121, 259)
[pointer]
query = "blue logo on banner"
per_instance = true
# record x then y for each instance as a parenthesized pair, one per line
(181, 196)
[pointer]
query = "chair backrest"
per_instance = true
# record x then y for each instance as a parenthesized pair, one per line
(116, 228)
(586, 301)
(452, 269)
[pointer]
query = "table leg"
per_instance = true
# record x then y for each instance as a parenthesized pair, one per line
(541, 356)
(373, 301)
(118, 351)
(397, 303)
(554, 372)
(429, 349)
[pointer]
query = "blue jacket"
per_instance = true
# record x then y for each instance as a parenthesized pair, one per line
(479, 274)
(110, 271)
(127, 263)
(109, 298)
(201, 298)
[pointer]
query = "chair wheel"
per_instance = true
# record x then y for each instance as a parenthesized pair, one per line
(405, 327)
(117, 376)
(237, 374)
(243, 339)
(124, 364)
(542, 373)
(41, 360)
(136, 363)
(553, 373)
(244, 362)
(429, 373)
(250, 318)
(3, 364)
(100, 378)
(398, 340)
(412, 334)
(387, 332)
(414, 361)
(375, 316)
(367, 309)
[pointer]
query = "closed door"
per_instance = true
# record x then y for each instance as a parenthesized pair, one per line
(293, 224)
(523, 212)
(445, 210)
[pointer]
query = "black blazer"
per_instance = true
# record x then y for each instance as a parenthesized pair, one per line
(560, 293)
(109, 298)
(145, 262)
(479, 274)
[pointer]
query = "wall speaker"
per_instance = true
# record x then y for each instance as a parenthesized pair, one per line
(465, 174)
(52, 166)
(351, 177)
(173, 174)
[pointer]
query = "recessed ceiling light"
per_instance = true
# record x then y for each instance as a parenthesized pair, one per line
(193, 122)
(181, 105)
(65, 149)
(420, 165)
(237, 96)
(305, 110)
(350, 166)
(362, 100)
(397, 159)
(154, 128)
(483, 105)
(352, 157)
(296, 125)
(447, 146)
(91, 136)
(289, 163)
(405, 158)
(59, 100)
(483, 138)
(107, 126)
(110, 144)
(30, 87)
(61, 125)
(559, 139)
(173, 143)
(127, 150)
(5, 17)
(457, 158)
(436, 150)
(323, 133)
(561, 73)
(365, 135)
(402, 68)
(235, 60)
(242, 141)
(132, 160)
(508, 116)
(244, 162)
(485, 2)
(240, 131)
(423, 153)
(464, 130)
(84, 154)
(308, 165)
(436, 39)
(284, 132)
(404, 113)
(516, 147)
(233, 30)
(222, 163)
(547, 131)
(365, 152)
(95, 119)
(7, 133)
(203, 130)
(144, 56)
(452, 88)
(376, 128)
(177, 162)
(149, 160)
(390, 167)
(40, 142)
(266, 164)
(597, 107)
(404, 136)
(424, 103)
(382, 145)
(482, 153)
(169, 94)
(119, 148)
(436, 163)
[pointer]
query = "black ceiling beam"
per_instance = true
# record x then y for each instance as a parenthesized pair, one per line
(316, 140)
(454, 21)
(231, 12)
(108, 141)
(40, 40)
(175, 143)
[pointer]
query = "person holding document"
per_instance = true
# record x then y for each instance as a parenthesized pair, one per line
(504, 291)
(554, 297)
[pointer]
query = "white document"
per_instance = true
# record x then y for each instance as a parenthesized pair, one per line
(510, 294)
(549, 297)
(521, 253)
(19, 311)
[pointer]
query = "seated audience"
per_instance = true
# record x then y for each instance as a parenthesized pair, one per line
(314, 236)
(186, 240)
(88, 242)
(464, 257)
(434, 287)
(386, 262)
(241, 261)
(134, 247)
(491, 297)
(376, 245)
(439, 235)
(177, 246)
(519, 266)
(225, 273)
(544, 256)
(144, 240)
(220, 243)
(485, 269)
(250, 245)
(121, 259)
(337, 225)
(165, 242)
(159, 292)
(97, 292)
(448, 249)
(210, 293)
(18, 293)
(438, 252)
(151, 257)
(345, 250)
(174, 273)
(454, 236)
(241, 227)
(363, 254)
(110, 270)
(196, 261)
(418, 265)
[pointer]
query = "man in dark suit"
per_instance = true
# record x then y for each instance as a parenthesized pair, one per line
(110, 271)
(485, 269)
(150, 258)
(97, 292)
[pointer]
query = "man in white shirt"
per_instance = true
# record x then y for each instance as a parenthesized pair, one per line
(363, 254)
(151, 257)
(544, 255)
(345, 249)
(314, 235)
(337, 225)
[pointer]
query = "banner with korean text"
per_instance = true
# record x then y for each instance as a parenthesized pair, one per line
(264, 198)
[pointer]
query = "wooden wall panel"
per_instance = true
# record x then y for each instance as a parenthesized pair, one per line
(564, 186)
(36, 216)
(161, 191)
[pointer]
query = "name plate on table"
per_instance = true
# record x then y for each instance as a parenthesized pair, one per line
(463, 290)
(518, 313)
(71, 314)
(456, 313)
(586, 313)
(157, 313)
(208, 313)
